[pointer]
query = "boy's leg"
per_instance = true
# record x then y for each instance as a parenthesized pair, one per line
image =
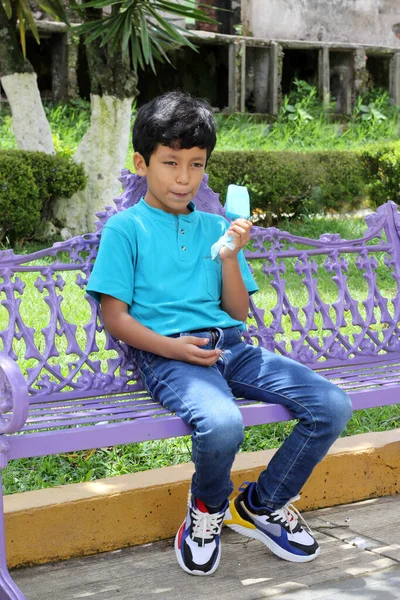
(321, 408)
(322, 411)
(202, 398)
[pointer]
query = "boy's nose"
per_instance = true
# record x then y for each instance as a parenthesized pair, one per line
(183, 176)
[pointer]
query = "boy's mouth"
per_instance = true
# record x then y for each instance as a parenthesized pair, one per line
(179, 195)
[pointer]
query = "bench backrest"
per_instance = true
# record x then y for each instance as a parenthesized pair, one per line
(335, 300)
(55, 331)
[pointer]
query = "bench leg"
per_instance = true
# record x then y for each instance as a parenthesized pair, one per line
(8, 589)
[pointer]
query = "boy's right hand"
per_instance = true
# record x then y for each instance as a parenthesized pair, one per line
(187, 349)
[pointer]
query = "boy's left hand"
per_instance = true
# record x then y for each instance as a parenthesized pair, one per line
(240, 231)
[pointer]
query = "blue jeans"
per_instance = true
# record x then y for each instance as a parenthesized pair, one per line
(204, 398)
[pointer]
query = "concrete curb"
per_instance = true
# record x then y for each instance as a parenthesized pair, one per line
(87, 518)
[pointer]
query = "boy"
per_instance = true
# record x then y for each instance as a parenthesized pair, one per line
(183, 314)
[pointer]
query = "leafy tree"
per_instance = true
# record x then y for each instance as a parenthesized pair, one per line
(120, 36)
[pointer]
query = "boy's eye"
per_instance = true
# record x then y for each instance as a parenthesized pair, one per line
(169, 162)
(198, 165)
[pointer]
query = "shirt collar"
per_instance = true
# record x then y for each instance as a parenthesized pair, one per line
(165, 217)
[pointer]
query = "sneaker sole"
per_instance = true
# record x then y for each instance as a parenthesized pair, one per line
(184, 567)
(267, 541)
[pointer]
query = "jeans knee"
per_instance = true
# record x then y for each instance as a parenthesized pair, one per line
(222, 434)
(339, 410)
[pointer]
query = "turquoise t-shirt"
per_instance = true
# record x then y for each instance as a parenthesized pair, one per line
(160, 265)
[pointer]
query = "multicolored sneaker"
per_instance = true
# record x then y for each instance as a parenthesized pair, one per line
(197, 543)
(280, 530)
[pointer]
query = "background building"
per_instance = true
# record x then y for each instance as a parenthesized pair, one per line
(249, 60)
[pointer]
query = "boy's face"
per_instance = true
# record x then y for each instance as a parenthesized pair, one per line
(173, 177)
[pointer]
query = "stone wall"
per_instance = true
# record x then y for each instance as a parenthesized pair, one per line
(371, 22)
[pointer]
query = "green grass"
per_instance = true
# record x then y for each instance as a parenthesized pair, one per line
(49, 471)
(69, 122)
(302, 124)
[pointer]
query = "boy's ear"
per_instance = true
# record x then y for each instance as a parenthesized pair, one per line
(140, 164)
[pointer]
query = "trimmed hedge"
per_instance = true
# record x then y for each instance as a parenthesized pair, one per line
(279, 182)
(29, 181)
(383, 167)
(292, 182)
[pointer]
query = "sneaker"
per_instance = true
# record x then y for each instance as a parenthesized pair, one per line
(280, 530)
(197, 543)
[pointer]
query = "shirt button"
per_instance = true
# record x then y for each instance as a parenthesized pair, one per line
(183, 247)
(182, 231)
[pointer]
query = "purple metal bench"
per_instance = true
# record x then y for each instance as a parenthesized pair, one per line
(67, 386)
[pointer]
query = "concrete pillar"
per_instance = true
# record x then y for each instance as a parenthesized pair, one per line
(341, 77)
(349, 84)
(59, 66)
(261, 79)
(275, 74)
(394, 84)
(237, 76)
(72, 65)
(361, 75)
(324, 75)
(232, 86)
(242, 75)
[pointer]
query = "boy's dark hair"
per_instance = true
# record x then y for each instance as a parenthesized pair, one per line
(174, 119)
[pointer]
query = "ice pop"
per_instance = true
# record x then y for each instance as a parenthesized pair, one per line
(237, 206)
(237, 203)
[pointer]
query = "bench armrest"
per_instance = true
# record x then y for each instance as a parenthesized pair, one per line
(14, 397)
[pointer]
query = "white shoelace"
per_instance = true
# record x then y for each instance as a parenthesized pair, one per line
(290, 515)
(205, 525)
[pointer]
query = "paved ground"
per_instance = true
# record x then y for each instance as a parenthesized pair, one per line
(360, 560)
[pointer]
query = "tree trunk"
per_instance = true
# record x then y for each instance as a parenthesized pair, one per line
(102, 151)
(30, 125)
(104, 147)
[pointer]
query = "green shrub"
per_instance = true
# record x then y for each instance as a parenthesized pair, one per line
(292, 182)
(383, 167)
(19, 197)
(29, 181)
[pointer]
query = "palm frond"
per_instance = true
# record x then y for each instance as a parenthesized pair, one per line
(55, 8)
(145, 28)
(20, 16)
(27, 21)
(24, 14)
(189, 12)
(6, 4)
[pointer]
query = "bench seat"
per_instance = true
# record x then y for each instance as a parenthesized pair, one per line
(133, 416)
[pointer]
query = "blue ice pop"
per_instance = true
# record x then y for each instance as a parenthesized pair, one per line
(237, 203)
(237, 206)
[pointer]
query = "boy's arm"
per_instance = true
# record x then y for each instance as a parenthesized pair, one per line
(121, 325)
(235, 296)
